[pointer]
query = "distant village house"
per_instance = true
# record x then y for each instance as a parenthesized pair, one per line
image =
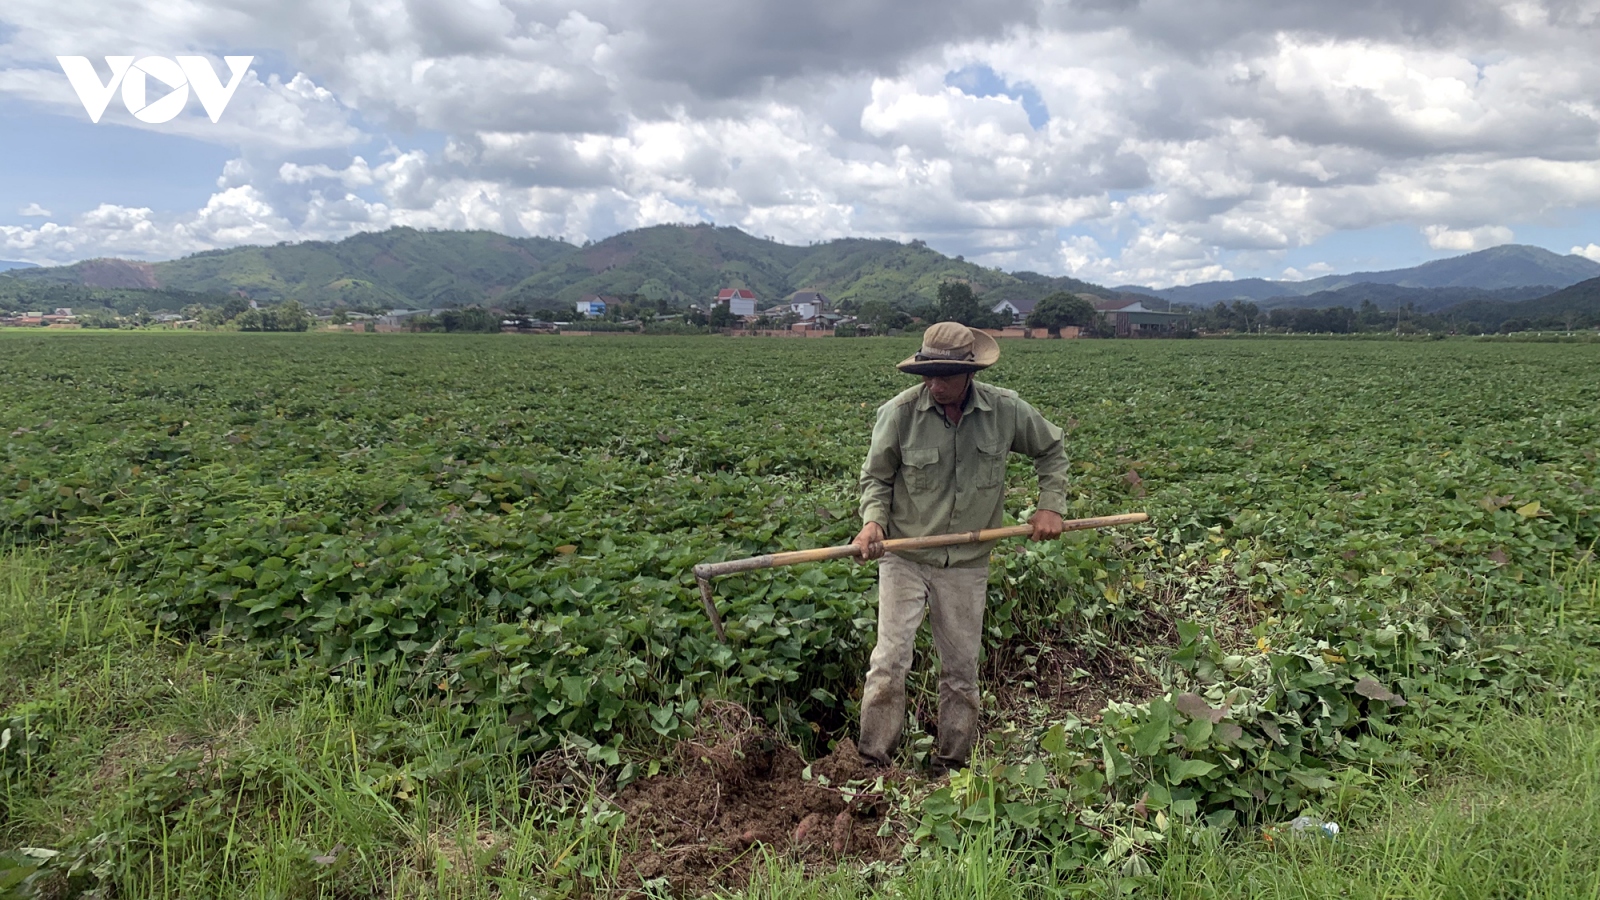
(809, 304)
(741, 301)
(809, 310)
(594, 305)
(1018, 310)
(398, 319)
(1131, 318)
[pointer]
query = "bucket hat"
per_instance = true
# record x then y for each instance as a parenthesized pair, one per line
(951, 348)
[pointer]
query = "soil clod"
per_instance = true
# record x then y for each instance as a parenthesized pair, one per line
(739, 797)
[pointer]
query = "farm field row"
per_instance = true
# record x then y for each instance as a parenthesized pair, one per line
(473, 553)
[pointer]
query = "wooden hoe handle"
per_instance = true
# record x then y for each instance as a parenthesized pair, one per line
(704, 572)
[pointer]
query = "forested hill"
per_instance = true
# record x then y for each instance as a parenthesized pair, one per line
(406, 267)
(697, 261)
(1577, 306)
(1391, 296)
(1507, 267)
(399, 267)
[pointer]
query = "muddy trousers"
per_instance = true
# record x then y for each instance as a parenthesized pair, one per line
(954, 600)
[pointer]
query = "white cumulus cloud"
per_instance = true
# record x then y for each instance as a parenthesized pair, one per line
(1181, 141)
(1441, 237)
(1313, 270)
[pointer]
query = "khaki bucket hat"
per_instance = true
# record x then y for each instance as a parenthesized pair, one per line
(950, 348)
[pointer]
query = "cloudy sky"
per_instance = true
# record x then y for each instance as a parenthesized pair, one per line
(1121, 141)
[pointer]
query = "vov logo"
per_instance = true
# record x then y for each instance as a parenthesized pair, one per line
(178, 75)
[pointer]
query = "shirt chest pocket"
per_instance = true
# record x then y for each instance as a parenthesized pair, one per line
(920, 466)
(991, 468)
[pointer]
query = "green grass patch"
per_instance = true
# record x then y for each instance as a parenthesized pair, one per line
(153, 767)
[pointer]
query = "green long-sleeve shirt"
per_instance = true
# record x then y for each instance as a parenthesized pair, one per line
(924, 476)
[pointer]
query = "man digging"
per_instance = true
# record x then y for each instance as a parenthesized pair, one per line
(938, 464)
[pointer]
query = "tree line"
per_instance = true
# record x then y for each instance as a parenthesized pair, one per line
(956, 302)
(1469, 318)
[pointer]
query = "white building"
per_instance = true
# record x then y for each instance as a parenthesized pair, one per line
(741, 301)
(809, 304)
(1018, 310)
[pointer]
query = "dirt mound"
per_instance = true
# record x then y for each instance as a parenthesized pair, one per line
(710, 824)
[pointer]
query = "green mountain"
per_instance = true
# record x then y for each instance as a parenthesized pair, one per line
(40, 295)
(1034, 286)
(1577, 306)
(398, 267)
(685, 263)
(694, 262)
(1497, 268)
(1506, 266)
(93, 273)
(404, 267)
(1449, 309)
(1393, 296)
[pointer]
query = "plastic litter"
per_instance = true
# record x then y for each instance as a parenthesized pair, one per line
(1312, 824)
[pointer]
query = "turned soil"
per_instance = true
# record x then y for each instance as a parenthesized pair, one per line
(710, 824)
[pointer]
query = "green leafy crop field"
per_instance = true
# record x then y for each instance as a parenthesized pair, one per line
(1354, 548)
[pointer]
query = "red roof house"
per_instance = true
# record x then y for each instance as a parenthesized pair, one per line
(741, 301)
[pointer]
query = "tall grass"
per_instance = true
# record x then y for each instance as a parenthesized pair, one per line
(1521, 819)
(186, 770)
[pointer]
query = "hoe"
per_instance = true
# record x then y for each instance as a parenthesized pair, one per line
(704, 572)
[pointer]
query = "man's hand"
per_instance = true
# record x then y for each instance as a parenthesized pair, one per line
(869, 542)
(1047, 525)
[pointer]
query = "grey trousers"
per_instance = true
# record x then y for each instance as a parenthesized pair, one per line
(954, 598)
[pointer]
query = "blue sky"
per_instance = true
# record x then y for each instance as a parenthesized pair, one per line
(978, 80)
(1155, 143)
(69, 166)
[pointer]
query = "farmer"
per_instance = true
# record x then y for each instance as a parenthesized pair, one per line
(937, 464)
